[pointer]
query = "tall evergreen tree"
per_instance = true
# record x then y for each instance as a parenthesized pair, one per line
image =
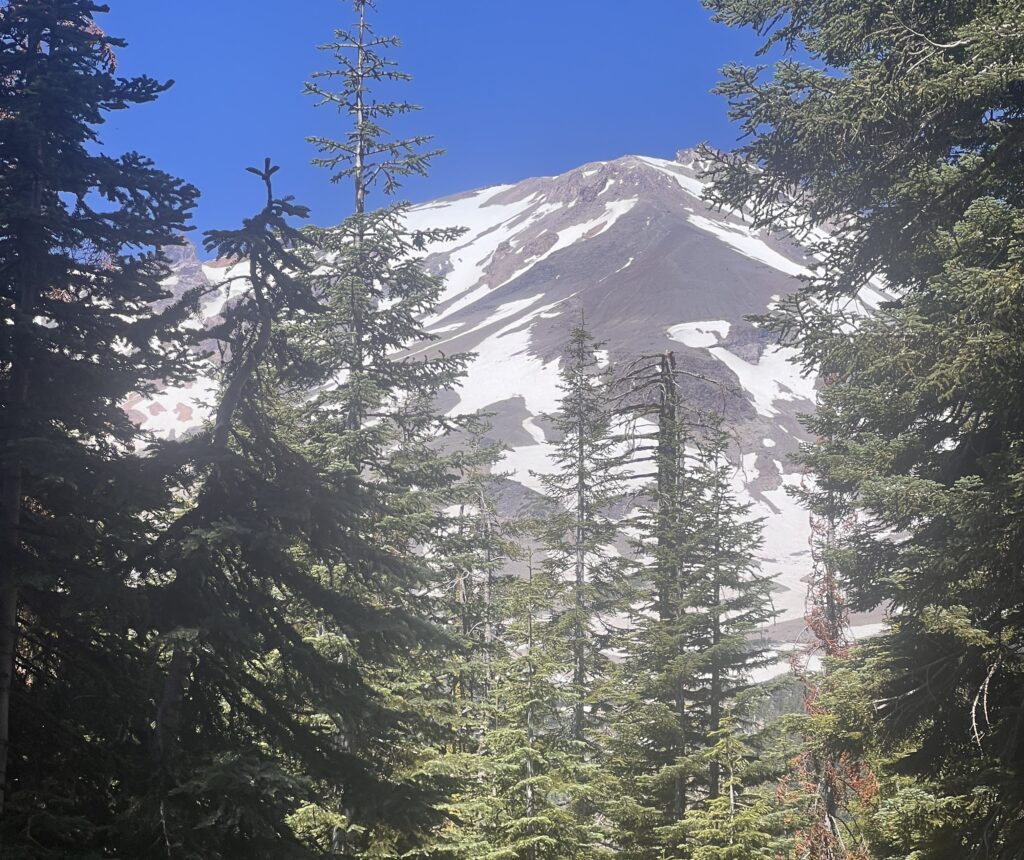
(80, 272)
(253, 643)
(528, 775)
(589, 580)
(377, 408)
(903, 135)
(376, 292)
(836, 783)
(692, 653)
(736, 824)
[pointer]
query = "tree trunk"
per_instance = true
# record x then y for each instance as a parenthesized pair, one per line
(579, 652)
(715, 709)
(530, 693)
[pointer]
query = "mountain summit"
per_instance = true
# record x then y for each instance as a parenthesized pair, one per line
(632, 246)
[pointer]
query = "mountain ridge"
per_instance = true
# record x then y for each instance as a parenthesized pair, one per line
(631, 244)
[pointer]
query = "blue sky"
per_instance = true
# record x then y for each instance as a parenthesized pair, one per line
(509, 89)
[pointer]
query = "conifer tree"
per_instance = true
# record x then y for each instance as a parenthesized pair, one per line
(374, 287)
(239, 600)
(80, 272)
(376, 294)
(541, 782)
(376, 409)
(526, 771)
(472, 550)
(589, 581)
(692, 654)
(902, 135)
(834, 781)
(736, 824)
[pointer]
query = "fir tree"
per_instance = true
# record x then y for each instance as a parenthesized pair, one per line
(835, 782)
(737, 823)
(526, 773)
(589, 581)
(232, 756)
(590, 578)
(691, 655)
(80, 272)
(375, 409)
(263, 707)
(902, 135)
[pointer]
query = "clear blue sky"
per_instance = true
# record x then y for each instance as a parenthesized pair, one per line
(510, 88)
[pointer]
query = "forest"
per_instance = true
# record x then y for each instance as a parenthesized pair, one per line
(311, 628)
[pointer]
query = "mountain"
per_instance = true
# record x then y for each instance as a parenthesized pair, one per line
(631, 245)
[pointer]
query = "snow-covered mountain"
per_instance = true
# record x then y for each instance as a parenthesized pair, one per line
(631, 245)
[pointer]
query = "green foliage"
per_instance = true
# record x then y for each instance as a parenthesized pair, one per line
(81, 278)
(904, 136)
(245, 614)
(368, 155)
(538, 783)
(589, 580)
(737, 824)
(691, 655)
(376, 383)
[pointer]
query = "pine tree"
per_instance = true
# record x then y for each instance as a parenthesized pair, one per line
(80, 272)
(470, 556)
(902, 136)
(589, 580)
(253, 643)
(367, 272)
(525, 771)
(691, 656)
(376, 408)
(836, 783)
(736, 824)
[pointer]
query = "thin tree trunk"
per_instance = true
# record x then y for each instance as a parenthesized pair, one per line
(679, 783)
(360, 109)
(488, 589)
(530, 694)
(358, 284)
(669, 466)
(579, 653)
(714, 771)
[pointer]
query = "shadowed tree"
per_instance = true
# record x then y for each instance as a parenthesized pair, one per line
(80, 274)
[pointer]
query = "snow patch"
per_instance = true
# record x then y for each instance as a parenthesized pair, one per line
(672, 168)
(589, 229)
(774, 377)
(700, 334)
(745, 240)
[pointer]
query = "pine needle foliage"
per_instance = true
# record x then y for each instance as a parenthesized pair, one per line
(902, 134)
(81, 276)
(691, 656)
